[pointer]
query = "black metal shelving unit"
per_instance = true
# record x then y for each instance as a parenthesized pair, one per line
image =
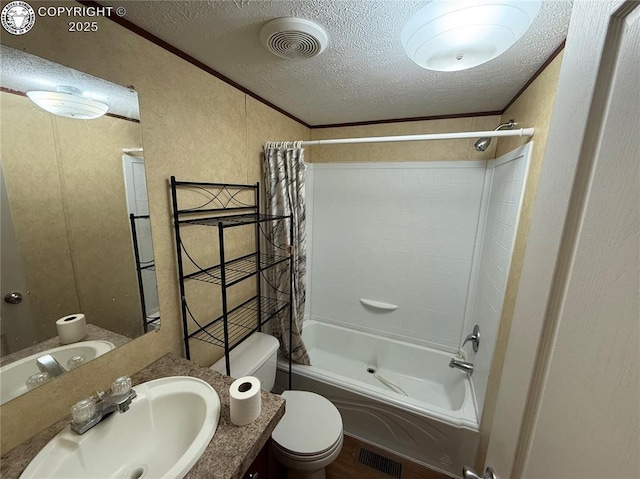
(140, 267)
(224, 206)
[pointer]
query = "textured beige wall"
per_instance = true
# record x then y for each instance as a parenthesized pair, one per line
(441, 150)
(532, 109)
(194, 126)
(263, 124)
(34, 186)
(90, 162)
(89, 266)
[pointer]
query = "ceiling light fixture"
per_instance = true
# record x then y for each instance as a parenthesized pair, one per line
(68, 102)
(452, 35)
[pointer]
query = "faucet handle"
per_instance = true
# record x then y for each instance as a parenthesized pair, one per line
(474, 338)
(37, 379)
(83, 410)
(121, 386)
(76, 361)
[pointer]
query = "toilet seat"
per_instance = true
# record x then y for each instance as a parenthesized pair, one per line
(311, 427)
(303, 462)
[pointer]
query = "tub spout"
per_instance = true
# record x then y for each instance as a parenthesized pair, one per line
(461, 365)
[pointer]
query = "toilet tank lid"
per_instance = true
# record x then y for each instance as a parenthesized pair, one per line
(249, 355)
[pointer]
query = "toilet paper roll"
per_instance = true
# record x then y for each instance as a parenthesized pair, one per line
(245, 400)
(72, 328)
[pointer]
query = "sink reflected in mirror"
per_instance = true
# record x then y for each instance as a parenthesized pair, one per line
(14, 376)
(163, 433)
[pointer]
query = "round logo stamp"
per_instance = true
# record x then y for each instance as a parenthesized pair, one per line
(17, 17)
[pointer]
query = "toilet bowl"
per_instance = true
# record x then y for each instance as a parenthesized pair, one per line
(309, 436)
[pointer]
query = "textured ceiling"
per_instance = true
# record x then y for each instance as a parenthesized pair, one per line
(363, 75)
(23, 72)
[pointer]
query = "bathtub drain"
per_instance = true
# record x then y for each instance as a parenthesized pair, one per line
(137, 473)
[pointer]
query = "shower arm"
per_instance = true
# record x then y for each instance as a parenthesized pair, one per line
(510, 125)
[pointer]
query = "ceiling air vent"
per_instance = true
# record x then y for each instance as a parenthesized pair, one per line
(293, 38)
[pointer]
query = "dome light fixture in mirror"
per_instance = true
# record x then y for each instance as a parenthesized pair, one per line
(452, 35)
(68, 102)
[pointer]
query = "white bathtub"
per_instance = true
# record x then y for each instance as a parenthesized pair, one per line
(435, 425)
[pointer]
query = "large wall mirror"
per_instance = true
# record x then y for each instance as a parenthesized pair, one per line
(76, 237)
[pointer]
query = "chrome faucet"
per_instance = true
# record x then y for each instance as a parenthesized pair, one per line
(90, 411)
(461, 365)
(49, 364)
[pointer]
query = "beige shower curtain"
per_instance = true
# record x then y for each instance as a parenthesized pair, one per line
(283, 173)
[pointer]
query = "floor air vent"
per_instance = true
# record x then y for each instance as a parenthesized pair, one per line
(380, 463)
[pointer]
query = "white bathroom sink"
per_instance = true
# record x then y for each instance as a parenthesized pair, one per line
(166, 429)
(13, 376)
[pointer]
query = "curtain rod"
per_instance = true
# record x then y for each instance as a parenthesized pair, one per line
(430, 136)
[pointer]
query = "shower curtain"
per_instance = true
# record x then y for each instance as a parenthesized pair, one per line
(284, 194)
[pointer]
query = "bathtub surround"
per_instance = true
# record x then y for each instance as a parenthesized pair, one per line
(399, 233)
(506, 177)
(412, 235)
(284, 186)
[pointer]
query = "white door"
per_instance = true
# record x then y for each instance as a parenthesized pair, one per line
(138, 204)
(569, 399)
(16, 321)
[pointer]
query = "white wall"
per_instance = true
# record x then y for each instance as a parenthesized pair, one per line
(400, 233)
(505, 199)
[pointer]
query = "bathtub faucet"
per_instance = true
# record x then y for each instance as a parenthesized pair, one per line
(461, 365)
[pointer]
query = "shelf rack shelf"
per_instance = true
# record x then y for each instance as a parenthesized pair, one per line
(231, 220)
(224, 206)
(241, 321)
(238, 269)
(141, 266)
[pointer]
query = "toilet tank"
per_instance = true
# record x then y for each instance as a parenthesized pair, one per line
(256, 356)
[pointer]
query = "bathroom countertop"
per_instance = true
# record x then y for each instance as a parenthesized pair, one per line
(230, 452)
(94, 333)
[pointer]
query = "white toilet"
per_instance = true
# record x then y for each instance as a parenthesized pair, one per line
(309, 436)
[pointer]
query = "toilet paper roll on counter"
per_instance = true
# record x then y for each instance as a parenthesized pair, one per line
(245, 400)
(72, 328)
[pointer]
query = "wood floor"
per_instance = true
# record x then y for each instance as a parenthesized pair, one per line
(348, 467)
